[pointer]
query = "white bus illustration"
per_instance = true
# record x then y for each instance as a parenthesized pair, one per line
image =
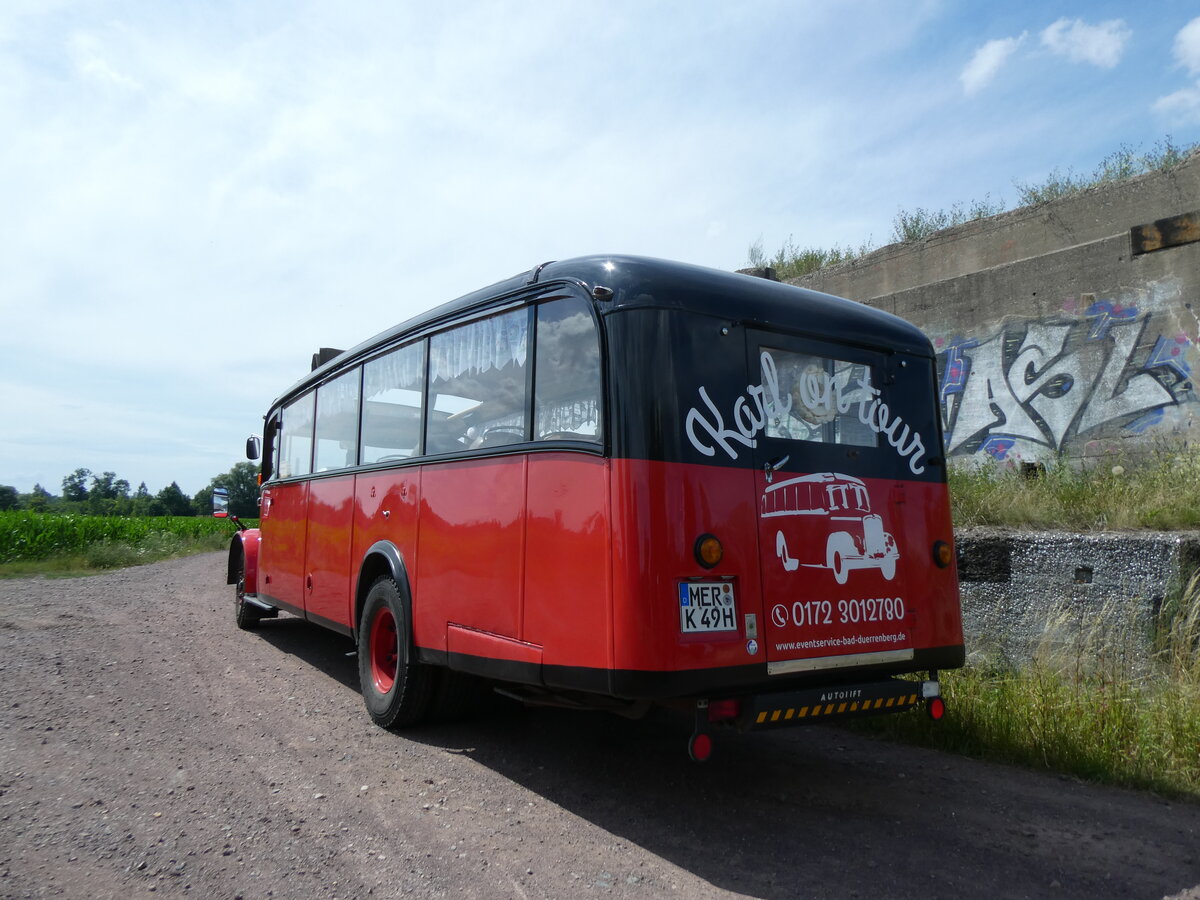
(854, 536)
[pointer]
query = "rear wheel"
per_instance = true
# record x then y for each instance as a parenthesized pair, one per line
(396, 689)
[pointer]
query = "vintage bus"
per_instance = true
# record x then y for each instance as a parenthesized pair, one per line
(612, 482)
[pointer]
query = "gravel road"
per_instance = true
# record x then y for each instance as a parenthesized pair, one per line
(149, 748)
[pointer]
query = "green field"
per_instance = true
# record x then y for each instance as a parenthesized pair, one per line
(47, 543)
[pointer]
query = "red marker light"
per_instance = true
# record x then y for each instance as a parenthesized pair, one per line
(936, 708)
(700, 747)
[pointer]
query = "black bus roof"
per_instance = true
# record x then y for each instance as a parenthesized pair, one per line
(643, 282)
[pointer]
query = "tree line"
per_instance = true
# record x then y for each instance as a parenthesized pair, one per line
(87, 493)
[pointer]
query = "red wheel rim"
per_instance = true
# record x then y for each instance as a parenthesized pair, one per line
(384, 650)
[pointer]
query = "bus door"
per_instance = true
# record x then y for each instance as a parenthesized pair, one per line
(328, 567)
(828, 514)
(284, 507)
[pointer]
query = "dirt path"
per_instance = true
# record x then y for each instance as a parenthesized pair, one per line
(148, 747)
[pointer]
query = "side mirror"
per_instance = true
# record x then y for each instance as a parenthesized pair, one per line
(220, 503)
(253, 447)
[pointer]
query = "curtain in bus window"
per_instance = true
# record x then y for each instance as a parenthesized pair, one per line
(393, 388)
(480, 346)
(817, 399)
(477, 386)
(567, 394)
(297, 434)
(337, 422)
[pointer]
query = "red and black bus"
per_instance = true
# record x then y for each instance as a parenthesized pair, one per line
(612, 482)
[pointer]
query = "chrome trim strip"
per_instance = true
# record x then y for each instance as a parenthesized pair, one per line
(838, 662)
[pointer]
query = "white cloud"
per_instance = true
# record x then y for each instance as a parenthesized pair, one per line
(1187, 46)
(987, 62)
(1183, 106)
(92, 63)
(1101, 45)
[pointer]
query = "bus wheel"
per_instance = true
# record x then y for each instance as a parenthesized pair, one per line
(395, 689)
(246, 616)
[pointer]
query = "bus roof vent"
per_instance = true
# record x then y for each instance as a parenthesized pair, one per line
(324, 355)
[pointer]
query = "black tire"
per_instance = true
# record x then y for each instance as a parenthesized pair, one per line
(245, 614)
(395, 689)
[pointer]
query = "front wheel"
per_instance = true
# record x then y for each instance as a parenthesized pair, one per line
(396, 690)
(245, 614)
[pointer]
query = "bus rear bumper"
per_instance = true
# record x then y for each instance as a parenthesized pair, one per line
(817, 704)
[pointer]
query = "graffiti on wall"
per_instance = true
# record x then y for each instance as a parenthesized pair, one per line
(1103, 368)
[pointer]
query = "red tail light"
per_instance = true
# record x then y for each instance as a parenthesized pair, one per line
(723, 710)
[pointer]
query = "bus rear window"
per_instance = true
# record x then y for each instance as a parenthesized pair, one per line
(819, 399)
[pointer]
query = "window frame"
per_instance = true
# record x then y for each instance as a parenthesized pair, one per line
(528, 303)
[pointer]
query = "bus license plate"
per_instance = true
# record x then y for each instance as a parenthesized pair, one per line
(706, 606)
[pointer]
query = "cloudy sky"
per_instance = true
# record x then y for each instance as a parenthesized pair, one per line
(197, 196)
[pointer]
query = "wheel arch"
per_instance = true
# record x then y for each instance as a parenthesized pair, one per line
(382, 558)
(243, 549)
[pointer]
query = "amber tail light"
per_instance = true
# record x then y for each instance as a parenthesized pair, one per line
(708, 551)
(943, 554)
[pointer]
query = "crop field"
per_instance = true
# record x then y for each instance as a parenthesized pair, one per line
(103, 541)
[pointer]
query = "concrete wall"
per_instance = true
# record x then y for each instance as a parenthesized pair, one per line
(1055, 337)
(1069, 600)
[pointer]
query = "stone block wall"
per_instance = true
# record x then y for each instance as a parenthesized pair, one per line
(1069, 600)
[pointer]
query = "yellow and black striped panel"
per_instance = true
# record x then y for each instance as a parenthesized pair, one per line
(800, 707)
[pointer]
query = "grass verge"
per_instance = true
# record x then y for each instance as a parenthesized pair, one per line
(1095, 711)
(114, 554)
(1161, 492)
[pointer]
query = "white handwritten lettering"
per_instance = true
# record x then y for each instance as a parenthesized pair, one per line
(819, 392)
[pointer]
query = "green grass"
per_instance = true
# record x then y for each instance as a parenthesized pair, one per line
(918, 224)
(1123, 163)
(1092, 704)
(1099, 714)
(1158, 492)
(791, 261)
(46, 544)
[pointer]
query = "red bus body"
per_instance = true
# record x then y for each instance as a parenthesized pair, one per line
(799, 430)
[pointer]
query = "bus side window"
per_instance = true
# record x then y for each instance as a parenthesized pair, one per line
(337, 422)
(297, 437)
(567, 393)
(393, 390)
(477, 385)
